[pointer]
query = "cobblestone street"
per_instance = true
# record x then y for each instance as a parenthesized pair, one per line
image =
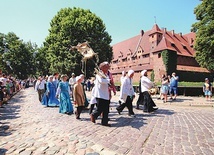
(184, 127)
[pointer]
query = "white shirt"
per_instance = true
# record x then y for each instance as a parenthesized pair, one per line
(40, 84)
(72, 81)
(126, 89)
(146, 84)
(121, 79)
(101, 88)
(93, 99)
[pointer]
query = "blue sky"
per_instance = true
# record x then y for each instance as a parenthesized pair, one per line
(30, 19)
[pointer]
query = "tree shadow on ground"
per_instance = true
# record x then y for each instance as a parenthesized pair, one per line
(10, 112)
(124, 119)
(139, 120)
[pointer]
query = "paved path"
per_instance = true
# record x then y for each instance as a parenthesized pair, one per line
(177, 128)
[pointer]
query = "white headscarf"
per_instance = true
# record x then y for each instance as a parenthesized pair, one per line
(78, 78)
(143, 72)
(130, 72)
(51, 76)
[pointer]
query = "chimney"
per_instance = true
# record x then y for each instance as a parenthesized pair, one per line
(173, 32)
(180, 34)
(141, 32)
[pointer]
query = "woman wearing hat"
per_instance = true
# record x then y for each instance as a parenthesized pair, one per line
(78, 97)
(63, 92)
(146, 84)
(127, 94)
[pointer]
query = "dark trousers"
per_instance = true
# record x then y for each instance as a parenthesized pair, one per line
(127, 104)
(140, 100)
(41, 93)
(92, 108)
(102, 107)
(78, 111)
(148, 102)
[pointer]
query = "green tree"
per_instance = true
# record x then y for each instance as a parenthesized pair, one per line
(68, 28)
(204, 28)
(16, 57)
(40, 61)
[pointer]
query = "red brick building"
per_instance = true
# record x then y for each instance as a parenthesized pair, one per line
(144, 52)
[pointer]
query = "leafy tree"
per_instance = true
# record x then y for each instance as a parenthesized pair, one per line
(16, 57)
(68, 28)
(40, 61)
(204, 28)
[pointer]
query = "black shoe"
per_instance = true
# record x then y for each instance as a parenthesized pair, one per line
(108, 125)
(132, 115)
(153, 109)
(118, 111)
(156, 108)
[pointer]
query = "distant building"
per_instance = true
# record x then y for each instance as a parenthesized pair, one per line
(144, 52)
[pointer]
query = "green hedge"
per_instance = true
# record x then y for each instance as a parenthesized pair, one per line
(194, 76)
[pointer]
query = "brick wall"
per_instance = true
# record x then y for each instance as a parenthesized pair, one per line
(159, 67)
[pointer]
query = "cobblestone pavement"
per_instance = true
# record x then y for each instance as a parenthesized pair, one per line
(176, 128)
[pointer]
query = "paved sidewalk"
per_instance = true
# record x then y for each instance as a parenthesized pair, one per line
(184, 127)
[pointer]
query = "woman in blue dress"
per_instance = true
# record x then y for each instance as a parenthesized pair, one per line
(63, 92)
(51, 91)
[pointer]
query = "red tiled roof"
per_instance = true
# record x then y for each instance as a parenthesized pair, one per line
(155, 29)
(190, 37)
(164, 44)
(122, 48)
(170, 41)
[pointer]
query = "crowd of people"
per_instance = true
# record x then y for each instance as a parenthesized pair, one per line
(10, 85)
(169, 85)
(69, 94)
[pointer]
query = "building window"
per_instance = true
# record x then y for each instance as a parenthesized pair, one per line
(159, 55)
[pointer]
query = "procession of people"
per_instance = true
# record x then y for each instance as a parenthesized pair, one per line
(68, 94)
(70, 97)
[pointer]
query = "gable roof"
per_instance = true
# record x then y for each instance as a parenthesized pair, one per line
(182, 44)
(155, 29)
